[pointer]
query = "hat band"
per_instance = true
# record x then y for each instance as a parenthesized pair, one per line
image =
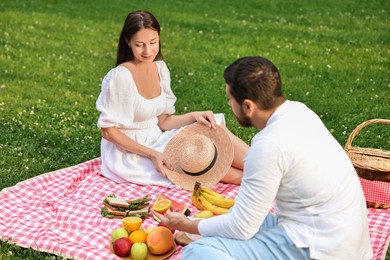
(207, 168)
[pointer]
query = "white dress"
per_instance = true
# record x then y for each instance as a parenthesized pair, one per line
(120, 105)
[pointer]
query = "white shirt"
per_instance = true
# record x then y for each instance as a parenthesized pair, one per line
(319, 202)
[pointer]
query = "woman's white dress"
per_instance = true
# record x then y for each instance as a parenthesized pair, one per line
(120, 105)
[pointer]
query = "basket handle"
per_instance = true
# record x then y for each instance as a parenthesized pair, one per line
(360, 127)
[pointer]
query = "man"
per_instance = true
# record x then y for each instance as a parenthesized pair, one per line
(293, 161)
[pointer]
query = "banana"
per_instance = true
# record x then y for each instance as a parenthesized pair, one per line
(211, 192)
(203, 214)
(213, 208)
(195, 197)
(223, 202)
(207, 199)
(216, 198)
(194, 200)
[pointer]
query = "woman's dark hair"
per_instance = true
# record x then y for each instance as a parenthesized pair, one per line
(257, 79)
(134, 22)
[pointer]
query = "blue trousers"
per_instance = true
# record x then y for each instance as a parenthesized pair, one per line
(271, 242)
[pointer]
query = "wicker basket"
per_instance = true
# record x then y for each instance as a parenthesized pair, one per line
(370, 163)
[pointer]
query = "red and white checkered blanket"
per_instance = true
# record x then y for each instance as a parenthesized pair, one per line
(376, 191)
(59, 212)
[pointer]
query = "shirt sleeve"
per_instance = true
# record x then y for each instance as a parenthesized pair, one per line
(262, 175)
(165, 79)
(115, 100)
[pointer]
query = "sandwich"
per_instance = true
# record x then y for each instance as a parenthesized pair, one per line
(116, 207)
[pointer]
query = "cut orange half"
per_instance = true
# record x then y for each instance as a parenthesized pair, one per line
(161, 206)
(132, 223)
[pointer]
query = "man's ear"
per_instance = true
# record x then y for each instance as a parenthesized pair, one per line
(248, 107)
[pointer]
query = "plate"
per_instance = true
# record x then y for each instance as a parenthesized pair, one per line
(150, 256)
(182, 239)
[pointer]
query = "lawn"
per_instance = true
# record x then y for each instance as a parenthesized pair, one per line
(334, 56)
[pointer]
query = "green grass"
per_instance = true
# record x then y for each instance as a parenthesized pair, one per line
(334, 56)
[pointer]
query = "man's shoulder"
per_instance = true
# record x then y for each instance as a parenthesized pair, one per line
(264, 140)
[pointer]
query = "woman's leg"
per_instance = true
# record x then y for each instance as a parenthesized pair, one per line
(240, 149)
(234, 175)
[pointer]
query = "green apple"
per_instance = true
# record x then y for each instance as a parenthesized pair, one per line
(139, 251)
(204, 214)
(118, 233)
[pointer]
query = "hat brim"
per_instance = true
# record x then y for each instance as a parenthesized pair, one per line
(223, 163)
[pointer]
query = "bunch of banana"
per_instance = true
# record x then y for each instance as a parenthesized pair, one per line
(206, 199)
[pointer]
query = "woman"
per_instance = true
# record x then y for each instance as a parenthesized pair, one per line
(137, 110)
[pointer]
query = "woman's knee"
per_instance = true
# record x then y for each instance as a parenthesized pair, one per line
(233, 176)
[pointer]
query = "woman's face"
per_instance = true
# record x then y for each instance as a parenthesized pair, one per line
(145, 45)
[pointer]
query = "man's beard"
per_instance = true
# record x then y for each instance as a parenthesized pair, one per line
(243, 120)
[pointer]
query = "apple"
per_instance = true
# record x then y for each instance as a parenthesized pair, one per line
(139, 251)
(163, 225)
(118, 233)
(122, 246)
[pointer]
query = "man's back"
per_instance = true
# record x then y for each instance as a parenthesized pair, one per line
(319, 201)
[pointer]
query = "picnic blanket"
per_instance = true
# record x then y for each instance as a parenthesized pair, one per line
(59, 212)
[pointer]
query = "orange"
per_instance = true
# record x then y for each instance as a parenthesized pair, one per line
(138, 236)
(160, 241)
(132, 223)
(162, 205)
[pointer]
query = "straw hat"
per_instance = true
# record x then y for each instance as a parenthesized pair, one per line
(198, 154)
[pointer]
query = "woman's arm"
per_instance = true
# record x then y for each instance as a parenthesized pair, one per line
(115, 136)
(168, 122)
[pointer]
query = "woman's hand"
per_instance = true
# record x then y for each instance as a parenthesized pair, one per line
(205, 118)
(168, 122)
(158, 161)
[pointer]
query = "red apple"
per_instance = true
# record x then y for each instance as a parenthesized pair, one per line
(122, 246)
(162, 225)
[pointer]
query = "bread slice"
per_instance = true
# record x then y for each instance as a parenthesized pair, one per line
(115, 212)
(117, 202)
(139, 212)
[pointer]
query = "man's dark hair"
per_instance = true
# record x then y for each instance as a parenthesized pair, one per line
(257, 79)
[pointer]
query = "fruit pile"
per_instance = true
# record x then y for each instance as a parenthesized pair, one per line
(132, 240)
(206, 199)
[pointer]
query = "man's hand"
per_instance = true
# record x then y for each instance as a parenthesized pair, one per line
(178, 221)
